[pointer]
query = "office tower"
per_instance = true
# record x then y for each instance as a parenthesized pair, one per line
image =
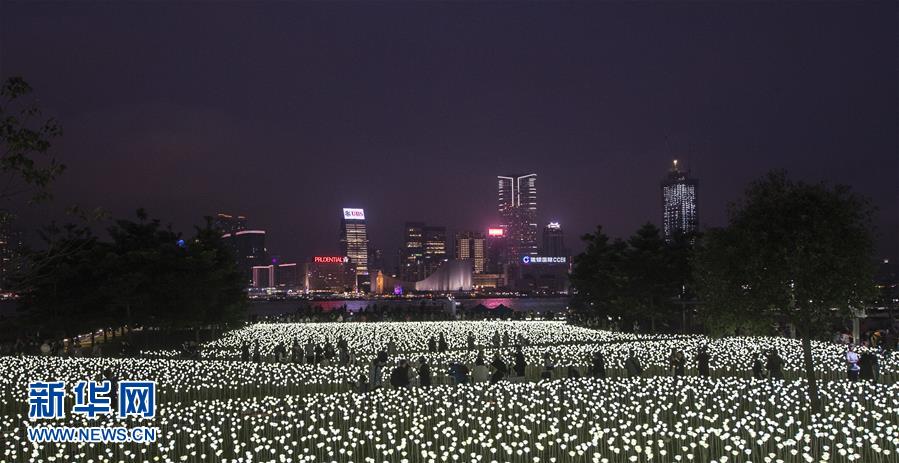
(553, 241)
(375, 259)
(354, 244)
(263, 276)
(472, 245)
(329, 274)
(287, 276)
(518, 210)
(434, 253)
(249, 251)
(496, 250)
(228, 223)
(679, 213)
(412, 253)
(10, 248)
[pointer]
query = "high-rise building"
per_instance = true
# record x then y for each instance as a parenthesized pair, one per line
(496, 250)
(263, 276)
(434, 253)
(354, 244)
(412, 253)
(553, 240)
(249, 251)
(679, 213)
(472, 245)
(287, 276)
(329, 274)
(10, 248)
(228, 223)
(517, 196)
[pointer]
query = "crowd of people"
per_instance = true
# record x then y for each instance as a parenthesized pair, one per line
(402, 312)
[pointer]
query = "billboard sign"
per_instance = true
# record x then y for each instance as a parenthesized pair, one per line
(330, 259)
(495, 232)
(544, 260)
(353, 214)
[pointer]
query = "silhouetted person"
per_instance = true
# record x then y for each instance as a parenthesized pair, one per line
(432, 344)
(500, 370)
(424, 372)
(774, 365)
(632, 365)
(244, 352)
(677, 362)
(256, 357)
(703, 358)
(520, 364)
(310, 352)
(441, 343)
(867, 363)
(399, 377)
(548, 367)
(471, 342)
(758, 369)
(598, 365)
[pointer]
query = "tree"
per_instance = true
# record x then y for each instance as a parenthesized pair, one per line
(597, 275)
(794, 252)
(58, 287)
(25, 144)
(145, 275)
(649, 283)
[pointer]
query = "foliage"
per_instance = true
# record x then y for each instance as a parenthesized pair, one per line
(144, 275)
(25, 143)
(792, 251)
(635, 280)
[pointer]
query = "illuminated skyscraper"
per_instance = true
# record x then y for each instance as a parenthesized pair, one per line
(472, 245)
(678, 203)
(412, 253)
(434, 255)
(553, 241)
(517, 196)
(354, 244)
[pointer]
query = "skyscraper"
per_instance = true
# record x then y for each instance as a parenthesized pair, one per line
(249, 251)
(228, 223)
(472, 245)
(553, 241)
(497, 250)
(354, 243)
(434, 255)
(517, 196)
(10, 248)
(412, 253)
(679, 213)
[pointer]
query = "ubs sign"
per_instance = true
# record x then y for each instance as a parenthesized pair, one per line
(353, 214)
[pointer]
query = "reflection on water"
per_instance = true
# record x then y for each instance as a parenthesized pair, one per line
(524, 304)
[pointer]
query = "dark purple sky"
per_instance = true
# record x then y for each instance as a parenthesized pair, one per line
(286, 112)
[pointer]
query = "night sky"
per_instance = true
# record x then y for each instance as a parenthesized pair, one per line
(287, 112)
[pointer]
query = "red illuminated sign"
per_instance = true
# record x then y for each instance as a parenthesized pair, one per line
(495, 232)
(329, 259)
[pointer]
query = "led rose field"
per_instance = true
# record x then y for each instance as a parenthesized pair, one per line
(229, 410)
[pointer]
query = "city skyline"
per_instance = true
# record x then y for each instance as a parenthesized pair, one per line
(452, 97)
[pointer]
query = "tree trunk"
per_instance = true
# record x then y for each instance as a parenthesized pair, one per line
(814, 400)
